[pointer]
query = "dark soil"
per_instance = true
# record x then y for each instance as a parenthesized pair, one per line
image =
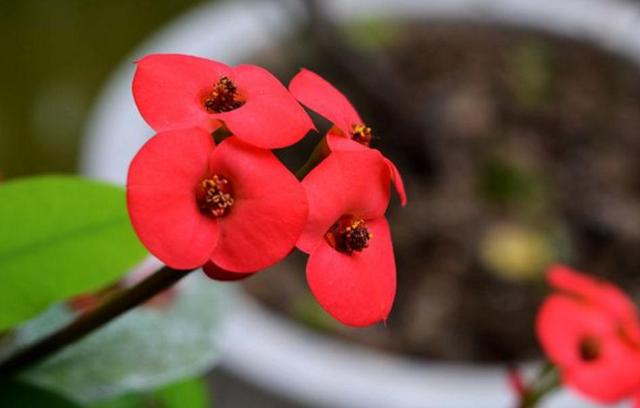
(536, 142)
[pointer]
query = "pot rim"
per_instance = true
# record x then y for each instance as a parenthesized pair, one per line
(281, 355)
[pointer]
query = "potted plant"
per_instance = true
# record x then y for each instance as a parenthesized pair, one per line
(316, 368)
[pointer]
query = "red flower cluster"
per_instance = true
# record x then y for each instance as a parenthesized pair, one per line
(235, 209)
(590, 330)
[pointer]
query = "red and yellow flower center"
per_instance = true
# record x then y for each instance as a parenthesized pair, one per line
(215, 196)
(589, 349)
(361, 134)
(349, 234)
(223, 98)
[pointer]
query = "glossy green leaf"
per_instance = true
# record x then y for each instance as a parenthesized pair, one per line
(60, 236)
(185, 394)
(189, 393)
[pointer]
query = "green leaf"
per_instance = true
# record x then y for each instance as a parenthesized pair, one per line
(185, 394)
(189, 393)
(175, 336)
(18, 394)
(60, 236)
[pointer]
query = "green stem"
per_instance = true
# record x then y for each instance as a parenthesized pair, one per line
(86, 323)
(319, 153)
(547, 380)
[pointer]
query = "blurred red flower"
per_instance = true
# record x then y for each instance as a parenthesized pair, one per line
(175, 91)
(590, 330)
(235, 205)
(351, 268)
(349, 131)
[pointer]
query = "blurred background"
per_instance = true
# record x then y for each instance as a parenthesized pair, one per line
(57, 57)
(516, 126)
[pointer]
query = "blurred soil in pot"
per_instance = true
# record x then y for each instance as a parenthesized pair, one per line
(536, 142)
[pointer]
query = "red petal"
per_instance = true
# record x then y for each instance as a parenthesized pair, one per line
(339, 143)
(593, 290)
(320, 96)
(215, 272)
(615, 376)
(355, 183)
(356, 289)
(168, 89)
(161, 198)
(271, 117)
(269, 212)
(396, 178)
(562, 323)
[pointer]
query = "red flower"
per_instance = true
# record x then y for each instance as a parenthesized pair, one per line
(349, 131)
(215, 272)
(351, 267)
(175, 91)
(590, 330)
(234, 205)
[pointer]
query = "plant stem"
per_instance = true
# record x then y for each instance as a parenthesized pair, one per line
(86, 323)
(548, 380)
(319, 153)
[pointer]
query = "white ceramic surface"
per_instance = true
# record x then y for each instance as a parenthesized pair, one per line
(271, 351)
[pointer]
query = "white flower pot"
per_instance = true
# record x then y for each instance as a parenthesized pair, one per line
(274, 352)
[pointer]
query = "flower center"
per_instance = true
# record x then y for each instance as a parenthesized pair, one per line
(349, 234)
(223, 98)
(361, 134)
(589, 349)
(215, 196)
